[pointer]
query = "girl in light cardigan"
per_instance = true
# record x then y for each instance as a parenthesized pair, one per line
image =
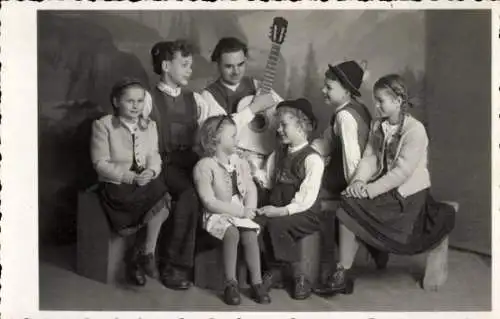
(388, 203)
(124, 151)
(229, 196)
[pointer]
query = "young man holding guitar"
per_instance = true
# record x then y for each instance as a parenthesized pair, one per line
(237, 93)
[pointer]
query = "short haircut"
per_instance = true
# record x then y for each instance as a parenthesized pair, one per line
(228, 45)
(165, 51)
(304, 122)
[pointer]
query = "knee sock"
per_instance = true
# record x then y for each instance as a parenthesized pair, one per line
(252, 254)
(348, 247)
(230, 252)
(153, 231)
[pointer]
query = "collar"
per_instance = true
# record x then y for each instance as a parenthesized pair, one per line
(229, 167)
(297, 148)
(229, 86)
(340, 107)
(131, 127)
(165, 88)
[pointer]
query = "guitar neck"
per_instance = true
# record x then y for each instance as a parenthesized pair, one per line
(271, 66)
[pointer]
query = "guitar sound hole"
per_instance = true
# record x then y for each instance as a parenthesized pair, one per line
(259, 123)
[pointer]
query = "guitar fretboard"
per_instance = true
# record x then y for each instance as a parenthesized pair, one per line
(272, 63)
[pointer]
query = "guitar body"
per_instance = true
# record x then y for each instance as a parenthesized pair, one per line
(258, 136)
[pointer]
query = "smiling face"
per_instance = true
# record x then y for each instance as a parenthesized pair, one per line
(334, 93)
(179, 70)
(387, 104)
(130, 103)
(232, 67)
(289, 129)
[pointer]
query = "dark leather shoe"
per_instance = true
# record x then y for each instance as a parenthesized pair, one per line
(381, 258)
(175, 279)
(338, 283)
(301, 288)
(136, 274)
(148, 263)
(232, 293)
(260, 294)
(273, 279)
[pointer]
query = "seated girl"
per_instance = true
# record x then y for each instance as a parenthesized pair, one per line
(124, 151)
(293, 175)
(229, 196)
(388, 203)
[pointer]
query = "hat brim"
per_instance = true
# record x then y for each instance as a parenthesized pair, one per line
(345, 81)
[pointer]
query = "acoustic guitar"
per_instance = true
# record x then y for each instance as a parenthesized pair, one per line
(259, 137)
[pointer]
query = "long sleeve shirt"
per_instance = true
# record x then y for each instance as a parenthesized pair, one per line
(347, 128)
(308, 192)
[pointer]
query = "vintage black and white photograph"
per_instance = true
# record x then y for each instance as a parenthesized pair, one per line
(264, 160)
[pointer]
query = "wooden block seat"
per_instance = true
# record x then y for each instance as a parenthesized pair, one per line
(100, 251)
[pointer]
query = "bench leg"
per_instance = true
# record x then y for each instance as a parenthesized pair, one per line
(436, 269)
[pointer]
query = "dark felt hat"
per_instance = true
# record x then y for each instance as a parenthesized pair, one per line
(350, 74)
(303, 105)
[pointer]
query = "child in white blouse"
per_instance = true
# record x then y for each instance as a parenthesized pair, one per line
(229, 196)
(293, 175)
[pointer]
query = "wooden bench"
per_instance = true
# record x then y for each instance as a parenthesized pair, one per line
(100, 251)
(436, 269)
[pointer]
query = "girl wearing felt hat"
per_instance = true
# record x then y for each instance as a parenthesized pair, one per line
(388, 203)
(293, 174)
(124, 151)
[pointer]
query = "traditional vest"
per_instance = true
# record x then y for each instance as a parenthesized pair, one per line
(176, 118)
(229, 99)
(290, 166)
(289, 174)
(334, 177)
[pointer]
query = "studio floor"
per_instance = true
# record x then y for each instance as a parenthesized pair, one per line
(394, 289)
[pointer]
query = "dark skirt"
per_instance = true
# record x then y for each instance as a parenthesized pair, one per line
(398, 225)
(129, 206)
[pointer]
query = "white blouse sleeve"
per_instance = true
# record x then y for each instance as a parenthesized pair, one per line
(349, 135)
(309, 189)
(209, 107)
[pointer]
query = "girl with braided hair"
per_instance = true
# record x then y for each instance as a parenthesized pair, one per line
(388, 204)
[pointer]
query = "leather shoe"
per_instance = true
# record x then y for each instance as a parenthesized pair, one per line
(301, 288)
(232, 293)
(339, 282)
(175, 279)
(273, 279)
(136, 274)
(260, 294)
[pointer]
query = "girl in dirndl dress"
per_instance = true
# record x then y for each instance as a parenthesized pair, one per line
(388, 203)
(124, 151)
(229, 196)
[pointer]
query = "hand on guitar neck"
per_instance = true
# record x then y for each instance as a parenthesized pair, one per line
(262, 102)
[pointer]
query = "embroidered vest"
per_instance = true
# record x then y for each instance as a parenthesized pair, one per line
(229, 99)
(290, 167)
